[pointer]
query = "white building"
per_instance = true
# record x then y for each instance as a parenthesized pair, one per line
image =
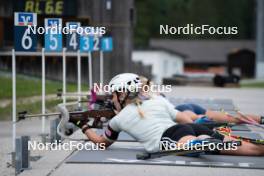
(164, 64)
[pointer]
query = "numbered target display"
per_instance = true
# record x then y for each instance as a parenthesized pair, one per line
(72, 39)
(53, 38)
(107, 44)
(86, 42)
(96, 43)
(25, 40)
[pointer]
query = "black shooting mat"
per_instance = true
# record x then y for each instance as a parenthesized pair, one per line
(242, 127)
(127, 155)
(251, 135)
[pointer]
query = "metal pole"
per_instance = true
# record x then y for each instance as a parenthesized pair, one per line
(14, 98)
(90, 70)
(101, 67)
(79, 76)
(260, 40)
(64, 75)
(43, 90)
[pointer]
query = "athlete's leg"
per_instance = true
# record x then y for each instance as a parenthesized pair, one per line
(257, 118)
(184, 133)
(195, 112)
(192, 110)
(222, 117)
(247, 149)
(180, 133)
(192, 115)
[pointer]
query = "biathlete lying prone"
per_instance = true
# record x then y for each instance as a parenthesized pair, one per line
(200, 115)
(149, 119)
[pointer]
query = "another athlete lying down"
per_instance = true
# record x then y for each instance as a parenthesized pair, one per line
(150, 119)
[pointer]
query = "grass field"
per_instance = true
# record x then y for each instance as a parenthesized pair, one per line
(253, 85)
(27, 87)
(31, 108)
(31, 86)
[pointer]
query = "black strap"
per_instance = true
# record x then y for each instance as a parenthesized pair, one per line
(85, 129)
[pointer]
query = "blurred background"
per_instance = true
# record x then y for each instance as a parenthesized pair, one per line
(203, 60)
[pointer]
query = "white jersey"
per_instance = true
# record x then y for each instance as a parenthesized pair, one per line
(159, 115)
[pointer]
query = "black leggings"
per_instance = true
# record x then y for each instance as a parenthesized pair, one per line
(178, 131)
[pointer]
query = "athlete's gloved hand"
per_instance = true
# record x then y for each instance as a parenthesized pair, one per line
(79, 123)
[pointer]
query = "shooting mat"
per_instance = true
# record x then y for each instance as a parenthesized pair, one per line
(127, 155)
(117, 154)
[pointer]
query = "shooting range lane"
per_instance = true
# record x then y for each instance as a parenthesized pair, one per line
(57, 163)
(117, 154)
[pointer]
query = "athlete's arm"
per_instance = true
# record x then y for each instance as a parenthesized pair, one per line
(182, 117)
(177, 116)
(110, 134)
(95, 138)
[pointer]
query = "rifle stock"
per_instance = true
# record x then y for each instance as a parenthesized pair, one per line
(99, 116)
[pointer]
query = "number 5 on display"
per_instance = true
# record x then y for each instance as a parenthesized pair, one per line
(53, 39)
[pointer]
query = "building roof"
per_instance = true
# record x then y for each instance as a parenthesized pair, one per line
(203, 51)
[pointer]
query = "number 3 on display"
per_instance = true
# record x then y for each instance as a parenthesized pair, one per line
(86, 43)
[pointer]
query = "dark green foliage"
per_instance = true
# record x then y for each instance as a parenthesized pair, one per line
(152, 13)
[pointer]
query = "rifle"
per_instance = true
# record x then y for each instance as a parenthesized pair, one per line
(97, 117)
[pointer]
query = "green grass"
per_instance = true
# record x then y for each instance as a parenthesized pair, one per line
(31, 86)
(31, 108)
(27, 87)
(252, 85)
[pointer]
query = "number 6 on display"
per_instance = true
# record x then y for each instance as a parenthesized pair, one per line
(25, 40)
